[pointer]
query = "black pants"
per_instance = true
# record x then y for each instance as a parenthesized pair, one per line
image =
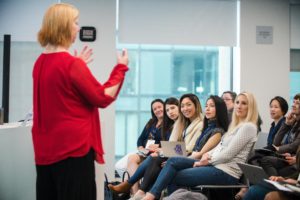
(275, 166)
(69, 179)
(152, 173)
(256, 158)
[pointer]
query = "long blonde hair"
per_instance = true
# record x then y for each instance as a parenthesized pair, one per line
(57, 25)
(182, 122)
(252, 114)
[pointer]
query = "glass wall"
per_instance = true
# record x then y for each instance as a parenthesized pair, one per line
(161, 71)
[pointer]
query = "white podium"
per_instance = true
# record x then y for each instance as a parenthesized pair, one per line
(17, 169)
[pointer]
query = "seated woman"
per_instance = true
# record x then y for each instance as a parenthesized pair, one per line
(171, 113)
(189, 124)
(218, 166)
(278, 109)
(150, 136)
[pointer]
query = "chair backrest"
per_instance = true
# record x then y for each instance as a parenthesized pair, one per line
(261, 140)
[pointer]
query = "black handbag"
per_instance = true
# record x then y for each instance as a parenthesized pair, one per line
(110, 195)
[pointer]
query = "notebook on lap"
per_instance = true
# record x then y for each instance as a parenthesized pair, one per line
(253, 173)
(172, 149)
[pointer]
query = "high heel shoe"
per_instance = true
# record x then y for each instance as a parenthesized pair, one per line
(123, 187)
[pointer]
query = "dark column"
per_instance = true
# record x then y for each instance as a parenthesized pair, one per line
(6, 75)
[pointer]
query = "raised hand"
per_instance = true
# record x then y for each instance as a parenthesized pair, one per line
(290, 118)
(85, 54)
(123, 58)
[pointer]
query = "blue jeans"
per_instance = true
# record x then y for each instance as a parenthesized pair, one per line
(180, 171)
(139, 173)
(256, 192)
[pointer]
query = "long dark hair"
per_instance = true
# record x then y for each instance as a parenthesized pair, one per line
(221, 113)
(153, 119)
(197, 104)
(167, 122)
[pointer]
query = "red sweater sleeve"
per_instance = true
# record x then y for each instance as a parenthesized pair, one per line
(89, 88)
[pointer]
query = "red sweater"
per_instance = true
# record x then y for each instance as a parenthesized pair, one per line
(66, 97)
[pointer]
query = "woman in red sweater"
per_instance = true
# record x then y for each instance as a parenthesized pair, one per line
(66, 97)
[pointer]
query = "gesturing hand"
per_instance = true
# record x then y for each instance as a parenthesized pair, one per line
(123, 58)
(85, 54)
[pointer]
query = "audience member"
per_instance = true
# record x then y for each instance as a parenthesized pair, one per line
(171, 113)
(151, 136)
(229, 98)
(278, 109)
(190, 121)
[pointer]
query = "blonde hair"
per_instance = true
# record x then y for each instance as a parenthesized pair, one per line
(57, 25)
(252, 114)
(182, 122)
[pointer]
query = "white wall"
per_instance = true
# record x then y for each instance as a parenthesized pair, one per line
(265, 67)
(178, 22)
(22, 18)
